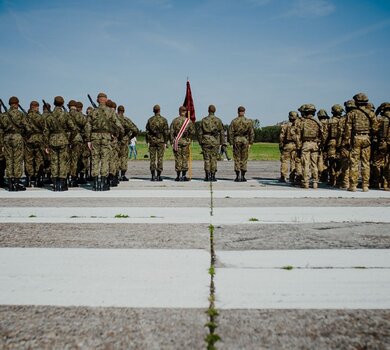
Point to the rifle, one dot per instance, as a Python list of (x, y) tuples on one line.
[(4, 106), (46, 105), (21, 108), (92, 103)]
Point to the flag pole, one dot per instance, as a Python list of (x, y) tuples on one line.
[(190, 153)]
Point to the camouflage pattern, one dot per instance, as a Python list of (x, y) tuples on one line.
[(35, 145), (2, 157), (343, 150), (130, 131), (211, 136), (384, 145), (14, 126), (310, 137), (157, 136), (59, 129), (77, 145), (331, 148), (323, 162), (102, 125), (361, 123), (289, 150), (241, 136), (183, 152)]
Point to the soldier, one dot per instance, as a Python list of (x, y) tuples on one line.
[(360, 125), (241, 137), (288, 148), (102, 124), (2, 158), (14, 126), (84, 156), (384, 141), (211, 136), (113, 169), (377, 154), (87, 153), (130, 131), (77, 145), (310, 137), (46, 111), (181, 141), (332, 132), (323, 166), (58, 134), (157, 136), (35, 147)]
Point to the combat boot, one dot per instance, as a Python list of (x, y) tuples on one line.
[(305, 186), (64, 184), (18, 185), (243, 179), (28, 181), (177, 176), (11, 186), (184, 176), (365, 188), (116, 178), (282, 179), (315, 185), (153, 178), (352, 189), (111, 180), (81, 180), (237, 179), (212, 177), (73, 182), (159, 178), (123, 176), (95, 183), (39, 182), (105, 186), (207, 176)]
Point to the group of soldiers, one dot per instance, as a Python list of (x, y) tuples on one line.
[(335, 150), (66, 147)]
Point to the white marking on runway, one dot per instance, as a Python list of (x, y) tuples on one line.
[(196, 215), (168, 192), (104, 277)]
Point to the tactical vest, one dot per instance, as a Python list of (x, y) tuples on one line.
[(310, 130), (333, 126), (361, 122), (384, 133), (289, 135)]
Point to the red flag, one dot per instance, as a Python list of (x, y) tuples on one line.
[(189, 102)]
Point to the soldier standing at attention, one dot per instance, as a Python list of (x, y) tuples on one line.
[(59, 131), (2, 158), (113, 168), (130, 131), (77, 144), (241, 137), (211, 137), (333, 155), (102, 123), (323, 166), (288, 148), (157, 136), (46, 111), (360, 125), (310, 137), (384, 141), (35, 147), (181, 146), (14, 126)]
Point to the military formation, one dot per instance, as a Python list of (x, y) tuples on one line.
[(67, 148), (353, 143)]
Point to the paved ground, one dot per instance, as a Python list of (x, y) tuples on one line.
[(320, 279)]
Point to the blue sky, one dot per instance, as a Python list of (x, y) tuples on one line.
[(268, 55)]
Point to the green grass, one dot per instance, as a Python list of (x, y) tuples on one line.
[(288, 267), (258, 151), (121, 216)]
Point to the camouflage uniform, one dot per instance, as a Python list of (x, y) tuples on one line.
[(102, 125), (14, 126), (323, 165), (378, 155), (241, 137), (310, 137), (288, 148), (211, 136), (360, 124), (46, 156), (130, 131), (58, 131), (34, 150), (2, 158), (182, 152), (77, 145), (331, 144), (157, 136), (384, 142)]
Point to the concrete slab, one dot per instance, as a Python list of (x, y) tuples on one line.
[(305, 258), (246, 215), (104, 277), (302, 289)]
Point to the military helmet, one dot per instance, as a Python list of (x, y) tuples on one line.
[(292, 115), (322, 114), (361, 98), (307, 108), (79, 104), (13, 100), (182, 109), (350, 104), (101, 94), (72, 103), (34, 104), (121, 108), (58, 101), (337, 109)]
